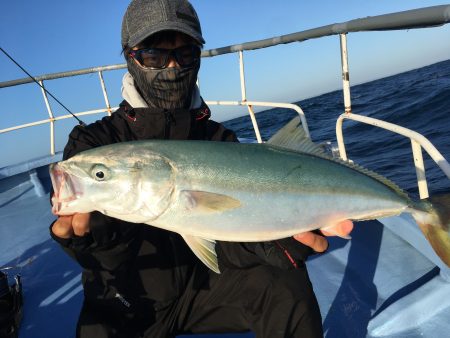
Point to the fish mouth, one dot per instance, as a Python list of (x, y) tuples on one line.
[(65, 188)]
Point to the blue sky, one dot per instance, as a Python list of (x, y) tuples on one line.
[(51, 36)]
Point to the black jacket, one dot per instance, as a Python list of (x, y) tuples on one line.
[(136, 268)]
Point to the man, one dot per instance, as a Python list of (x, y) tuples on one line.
[(141, 281)]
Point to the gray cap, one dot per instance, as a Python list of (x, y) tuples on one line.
[(146, 17)]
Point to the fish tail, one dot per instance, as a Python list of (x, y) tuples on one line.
[(435, 224)]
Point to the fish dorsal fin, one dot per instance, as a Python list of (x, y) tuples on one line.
[(207, 202), (292, 136), (204, 249)]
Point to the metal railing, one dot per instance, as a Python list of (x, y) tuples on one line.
[(418, 142), (52, 118), (418, 18)]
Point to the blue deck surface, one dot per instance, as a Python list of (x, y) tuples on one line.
[(376, 285)]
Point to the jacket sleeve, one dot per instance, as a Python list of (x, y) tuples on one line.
[(107, 246), (110, 129)]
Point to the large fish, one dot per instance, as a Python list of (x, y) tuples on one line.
[(209, 191)]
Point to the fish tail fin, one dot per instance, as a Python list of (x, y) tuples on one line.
[(435, 225)]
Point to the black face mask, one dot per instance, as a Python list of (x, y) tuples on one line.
[(168, 88)]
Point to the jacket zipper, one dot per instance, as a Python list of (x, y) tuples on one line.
[(169, 120), (178, 276)]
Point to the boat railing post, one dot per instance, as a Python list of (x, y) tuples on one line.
[(346, 93), (52, 119), (340, 138), (420, 169), (244, 98), (105, 94), (345, 73)]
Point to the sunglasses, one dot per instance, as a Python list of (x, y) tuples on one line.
[(186, 56)]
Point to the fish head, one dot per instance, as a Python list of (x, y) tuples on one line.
[(115, 181)]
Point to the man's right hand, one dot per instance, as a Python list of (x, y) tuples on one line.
[(67, 226)]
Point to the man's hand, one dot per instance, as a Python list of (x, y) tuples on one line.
[(319, 243), (67, 226)]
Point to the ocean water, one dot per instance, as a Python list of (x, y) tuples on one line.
[(418, 99)]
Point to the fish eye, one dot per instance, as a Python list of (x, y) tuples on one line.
[(99, 172)]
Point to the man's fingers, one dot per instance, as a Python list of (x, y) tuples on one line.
[(63, 227), (67, 226), (342, 229), (319, 243), (316, 242), (80, 224)]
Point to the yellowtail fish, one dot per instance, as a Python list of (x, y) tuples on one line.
[(208, 191)]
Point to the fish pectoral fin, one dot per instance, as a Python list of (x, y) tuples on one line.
[(208, 202), (204, 249)]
